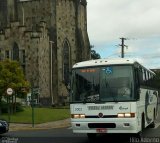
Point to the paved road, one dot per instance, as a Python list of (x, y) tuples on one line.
[(65, 135)]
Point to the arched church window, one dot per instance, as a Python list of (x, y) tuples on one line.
[(15, 52), (66, 63)]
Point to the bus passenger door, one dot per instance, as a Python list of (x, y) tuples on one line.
[(137, 96), (137, 84)]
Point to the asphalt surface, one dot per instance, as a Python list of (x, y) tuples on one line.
[(49, 125)]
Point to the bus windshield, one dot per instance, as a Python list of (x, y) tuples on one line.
[(102, 84)]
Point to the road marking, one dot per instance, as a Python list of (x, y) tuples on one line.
[(157, 125)]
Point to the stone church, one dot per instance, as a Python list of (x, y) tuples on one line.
[(47, 37)]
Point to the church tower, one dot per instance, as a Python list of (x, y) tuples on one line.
[(72, 38)]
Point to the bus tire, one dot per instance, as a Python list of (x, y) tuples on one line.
[(142, 122)]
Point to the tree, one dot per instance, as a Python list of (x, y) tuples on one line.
[(94, 54), (11, 76)]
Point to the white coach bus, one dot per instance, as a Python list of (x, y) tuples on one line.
[(112, 96)]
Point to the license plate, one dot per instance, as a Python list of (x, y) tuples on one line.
[(101, 130)]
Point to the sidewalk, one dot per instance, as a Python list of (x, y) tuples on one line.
[(49, 125)]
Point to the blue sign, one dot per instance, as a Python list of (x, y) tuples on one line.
[(108, 70)]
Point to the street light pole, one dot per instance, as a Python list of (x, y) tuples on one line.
[(51, 72)]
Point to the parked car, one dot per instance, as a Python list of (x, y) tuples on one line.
[(4, 126)]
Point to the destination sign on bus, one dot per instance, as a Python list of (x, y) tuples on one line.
[(88, 70)]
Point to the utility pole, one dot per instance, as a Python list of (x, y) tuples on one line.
[(122, 46)]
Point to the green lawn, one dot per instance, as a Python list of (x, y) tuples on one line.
[(41, 115)]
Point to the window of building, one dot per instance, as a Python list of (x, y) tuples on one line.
[(22, 56), (15, 55), (66, 63), (7, 54)]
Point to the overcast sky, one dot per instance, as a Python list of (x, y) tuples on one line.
[(136, 20)]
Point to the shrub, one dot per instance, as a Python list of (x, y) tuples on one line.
[(4, 107), (19, 107)]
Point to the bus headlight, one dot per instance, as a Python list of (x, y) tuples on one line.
[(120, 115), (126, 115), (77, 115)]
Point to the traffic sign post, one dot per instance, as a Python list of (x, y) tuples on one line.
[(9, 93), (32, 105)]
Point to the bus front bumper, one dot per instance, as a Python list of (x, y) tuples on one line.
[(106, 126)]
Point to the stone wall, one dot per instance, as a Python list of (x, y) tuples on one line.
[(35, 47), (52, 36)]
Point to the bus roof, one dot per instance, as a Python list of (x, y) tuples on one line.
[(98, 62), (108, 61)]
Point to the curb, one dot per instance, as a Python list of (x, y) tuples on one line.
[(44, 126)]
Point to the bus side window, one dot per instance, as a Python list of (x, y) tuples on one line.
[(151, 81), (140, 76)]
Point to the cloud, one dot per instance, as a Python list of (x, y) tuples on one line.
[(111, 19), (137, 20)]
